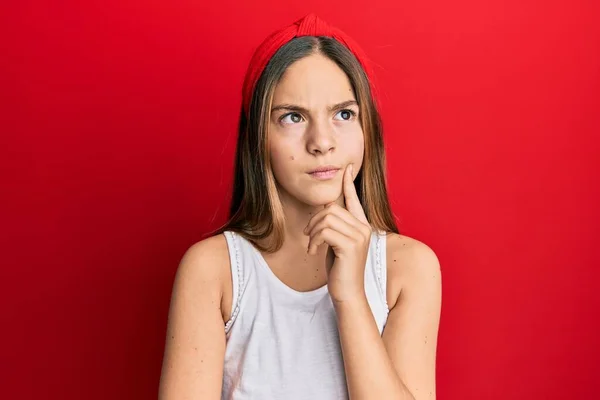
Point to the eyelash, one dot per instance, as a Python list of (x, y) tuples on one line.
[(352, 114)]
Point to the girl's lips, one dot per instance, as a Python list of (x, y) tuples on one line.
[(324, 175)]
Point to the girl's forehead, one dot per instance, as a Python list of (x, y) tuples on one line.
[(313, 79)]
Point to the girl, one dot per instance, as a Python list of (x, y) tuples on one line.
[(308, 291)]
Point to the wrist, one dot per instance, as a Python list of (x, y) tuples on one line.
[(351, 302)]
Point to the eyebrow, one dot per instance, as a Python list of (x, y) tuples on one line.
[(293, 107)]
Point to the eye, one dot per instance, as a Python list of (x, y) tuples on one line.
[(291, 118), (346, 115)]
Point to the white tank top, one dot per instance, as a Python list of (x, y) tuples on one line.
[(284, 344)]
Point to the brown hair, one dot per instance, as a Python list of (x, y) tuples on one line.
[(256, 211)]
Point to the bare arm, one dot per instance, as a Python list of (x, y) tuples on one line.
[(411, 333), (401, 363), (195, 344)]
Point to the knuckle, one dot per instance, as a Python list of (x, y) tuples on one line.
[(363, 237)]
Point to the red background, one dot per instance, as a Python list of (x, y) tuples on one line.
[(118, 129)]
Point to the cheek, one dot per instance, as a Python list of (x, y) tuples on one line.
[(354, 145), (283, 159)]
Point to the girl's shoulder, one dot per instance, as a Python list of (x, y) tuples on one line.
[(409, 262), (206, 264), (209, 256)]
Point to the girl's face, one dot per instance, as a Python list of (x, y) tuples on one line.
[(314, 124)]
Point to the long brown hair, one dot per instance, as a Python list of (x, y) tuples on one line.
[(256, 211)]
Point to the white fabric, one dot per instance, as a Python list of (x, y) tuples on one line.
[(284, 344)]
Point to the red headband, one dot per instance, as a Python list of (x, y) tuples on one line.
[(310, 25)]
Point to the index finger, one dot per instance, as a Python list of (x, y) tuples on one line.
[(351, 197)]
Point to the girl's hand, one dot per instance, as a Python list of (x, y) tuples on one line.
[(347, 233)]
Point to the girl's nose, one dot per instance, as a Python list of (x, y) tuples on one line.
[(320, 138)]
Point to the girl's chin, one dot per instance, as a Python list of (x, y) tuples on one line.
[(314, 198), (320, 200)]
